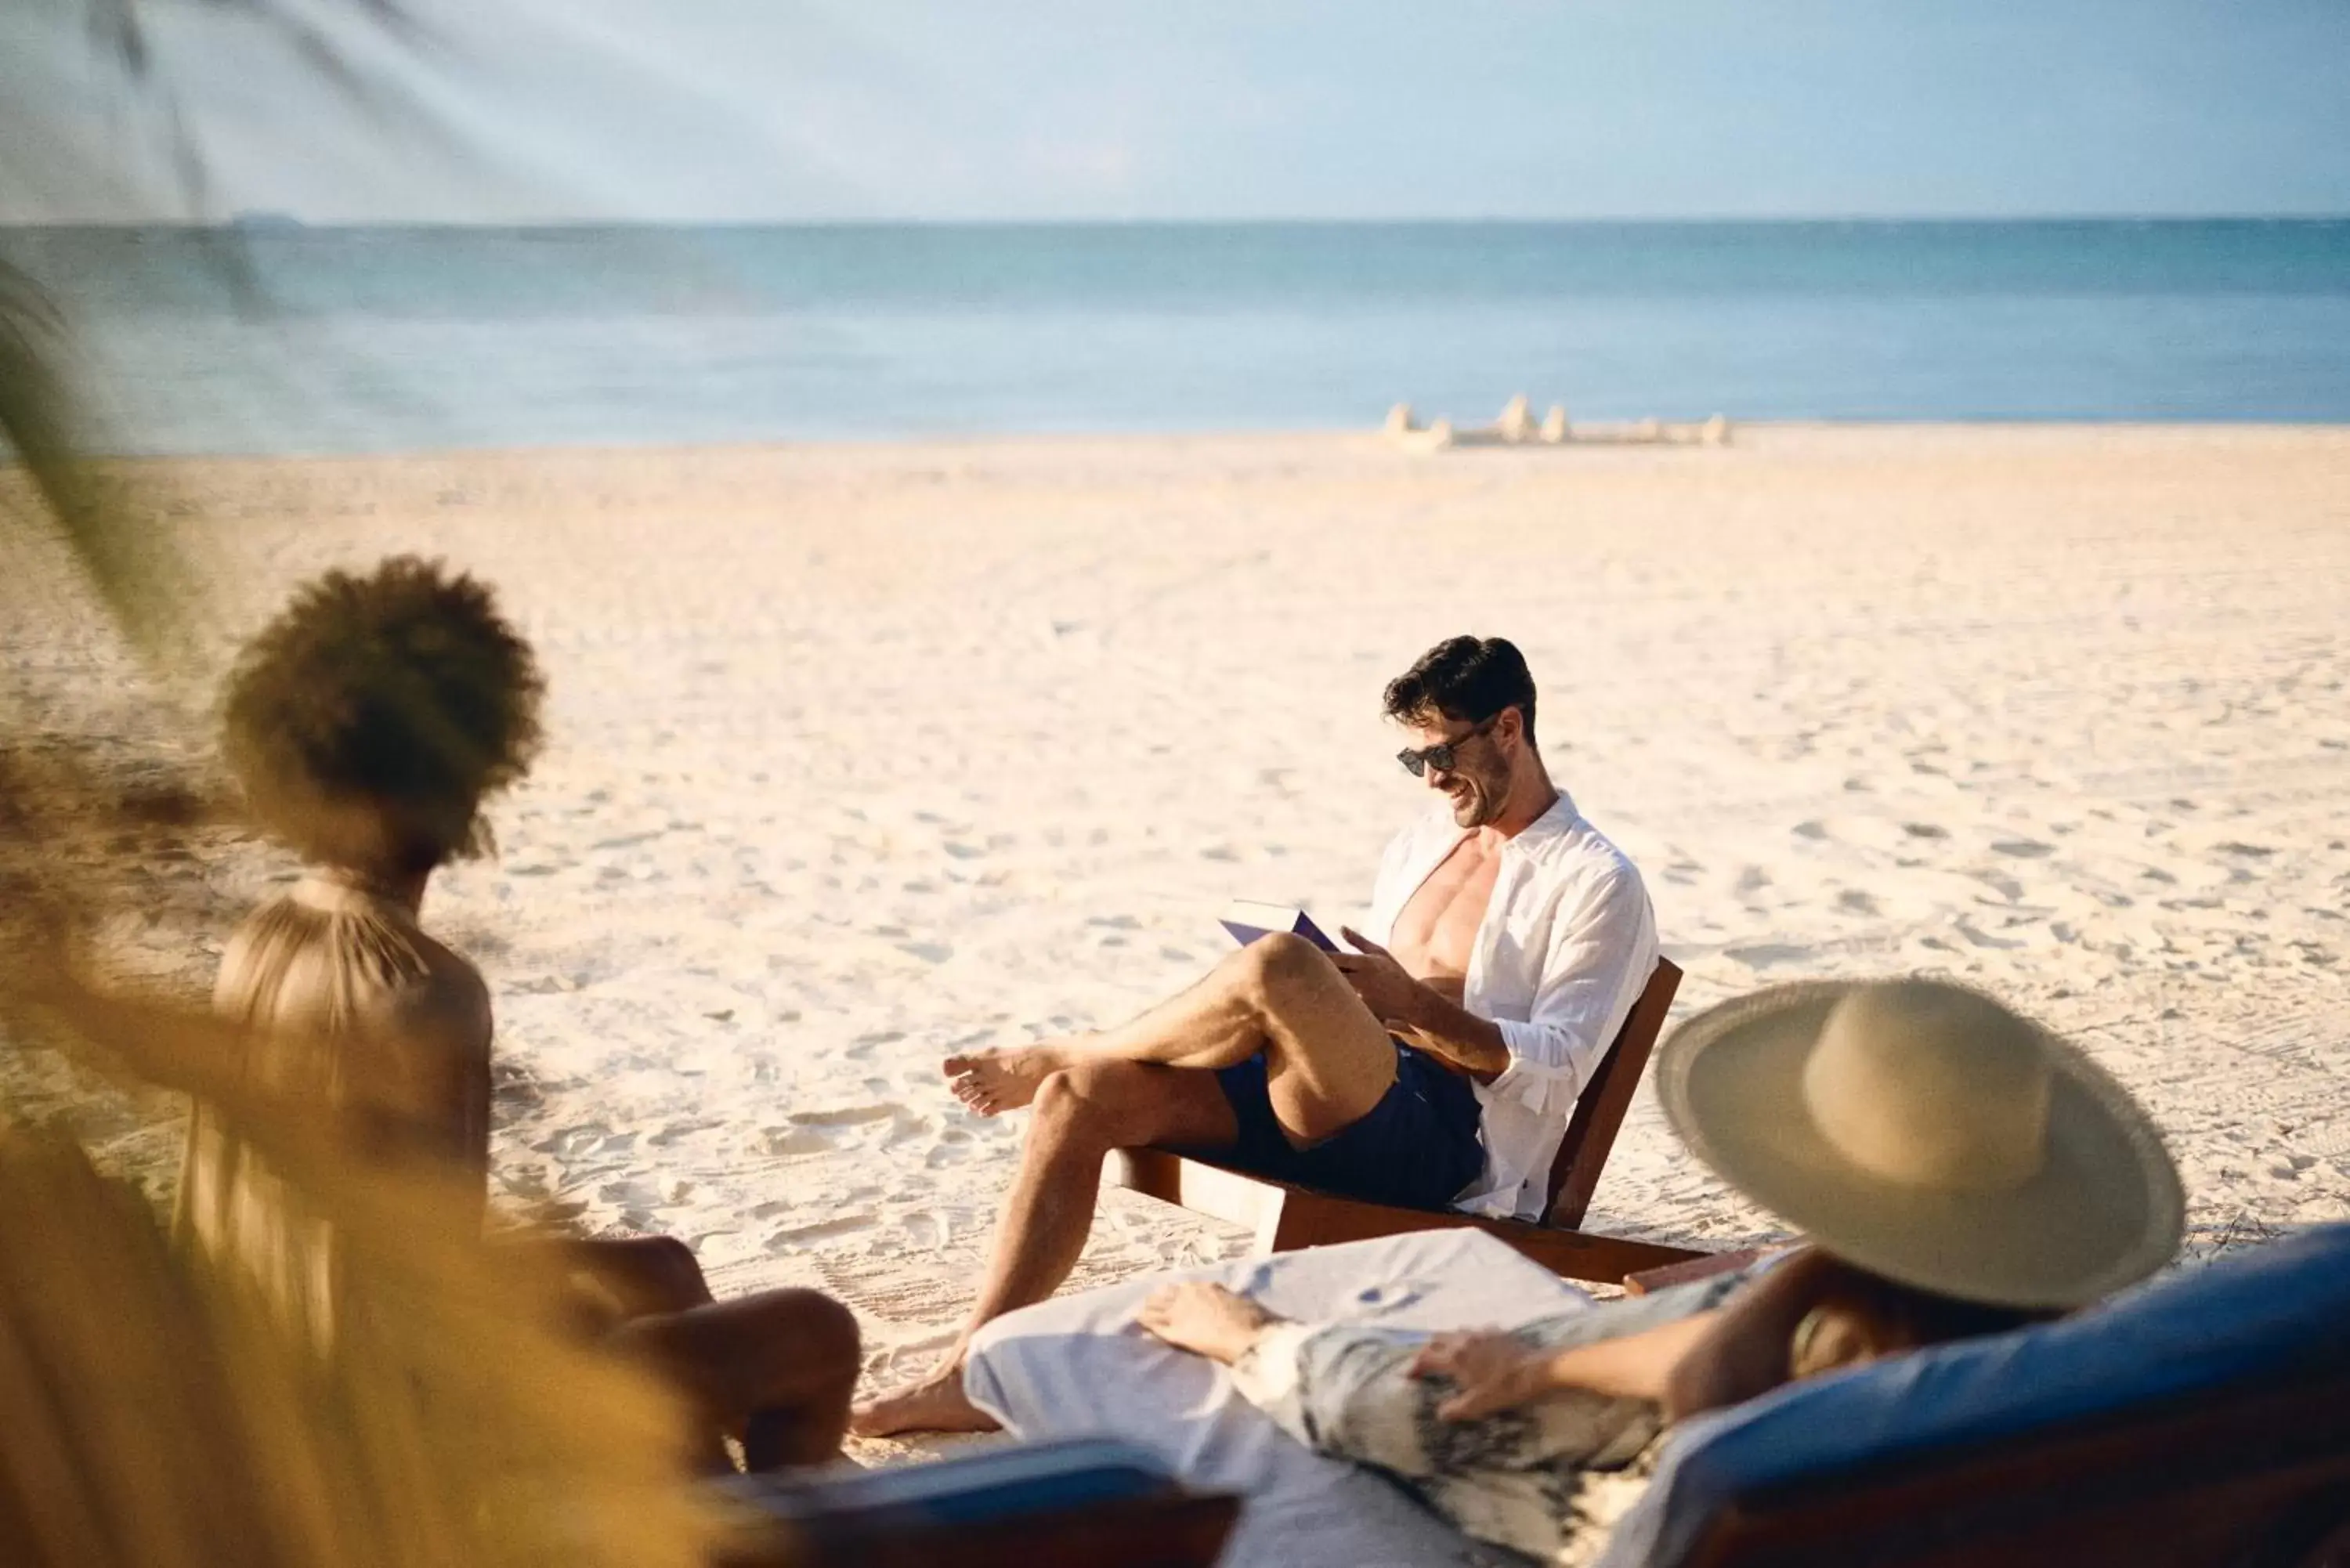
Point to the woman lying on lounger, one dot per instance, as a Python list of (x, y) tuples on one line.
[(1958, 1169)]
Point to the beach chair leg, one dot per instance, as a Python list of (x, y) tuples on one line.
[(1276, 1224)]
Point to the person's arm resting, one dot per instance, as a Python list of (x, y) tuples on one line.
[(1411, 1007), (1492, 1371), (1442, 1027), (1602, 947), (1743, 1354), (1606, 932), (435, 1099)]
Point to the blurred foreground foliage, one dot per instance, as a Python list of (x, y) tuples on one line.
[(156, 1410)]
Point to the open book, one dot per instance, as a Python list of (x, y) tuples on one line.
[(1247, 920)]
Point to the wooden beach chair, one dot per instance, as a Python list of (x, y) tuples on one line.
[(1285, 1216), (1703, 1267)]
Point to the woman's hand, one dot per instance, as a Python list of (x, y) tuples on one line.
[(1491, 1371)]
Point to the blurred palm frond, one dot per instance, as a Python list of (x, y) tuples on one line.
[(155, 1410), (136, 571), (159, 1408), (318, 35)]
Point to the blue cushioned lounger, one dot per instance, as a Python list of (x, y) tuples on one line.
[(2270, 1317)]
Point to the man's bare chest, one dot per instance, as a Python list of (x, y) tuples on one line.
[(1436, 930)]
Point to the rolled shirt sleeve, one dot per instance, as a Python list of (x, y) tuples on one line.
[(1601, 954), (1587, 972)]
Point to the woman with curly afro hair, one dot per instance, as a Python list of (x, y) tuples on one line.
[(367, 725), (370, 722)]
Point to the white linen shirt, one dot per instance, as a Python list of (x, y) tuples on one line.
[(1566, 946)]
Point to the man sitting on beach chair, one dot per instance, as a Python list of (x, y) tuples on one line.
[(1437, 1065)]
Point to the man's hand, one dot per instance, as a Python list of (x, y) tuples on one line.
[(1419, 1013), (1491, 1371), (1385, 986)]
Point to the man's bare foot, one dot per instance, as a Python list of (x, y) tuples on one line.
[(936, 1404), (1004, 1078), (1205, 1319)]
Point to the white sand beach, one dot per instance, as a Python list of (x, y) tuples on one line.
[(861, 753)]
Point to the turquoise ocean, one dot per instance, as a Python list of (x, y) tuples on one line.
[(273, 338)]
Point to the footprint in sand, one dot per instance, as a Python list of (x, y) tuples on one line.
[(572, 1142), (785, 1142), (863, 1045), (907, 1126), (851, 1116), (2007, 887), (2023, 849), (1982, 939), (1764, 955), (794, 1236), (632, 1194)]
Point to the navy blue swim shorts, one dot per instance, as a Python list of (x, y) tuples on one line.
[(1416, 1148)]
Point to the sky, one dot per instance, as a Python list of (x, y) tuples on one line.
[(763, 110)]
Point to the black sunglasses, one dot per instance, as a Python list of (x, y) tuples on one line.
[(1442, 755)]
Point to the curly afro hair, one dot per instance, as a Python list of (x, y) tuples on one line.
[(370, 720)]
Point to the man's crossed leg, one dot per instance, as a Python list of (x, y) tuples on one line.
[(1329, 1065)]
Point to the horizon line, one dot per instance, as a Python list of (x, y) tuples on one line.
[(263, 221)]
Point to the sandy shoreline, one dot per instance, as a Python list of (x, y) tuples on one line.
[(861, 753)]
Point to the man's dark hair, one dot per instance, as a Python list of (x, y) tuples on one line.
[(404, 690), (1468, 677)]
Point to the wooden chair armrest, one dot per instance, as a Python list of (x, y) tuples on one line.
[(1703, 1267), (1283, 1216)]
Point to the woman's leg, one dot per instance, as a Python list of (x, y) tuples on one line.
[(1347, 1390), (774, 1370), (638, 1276)]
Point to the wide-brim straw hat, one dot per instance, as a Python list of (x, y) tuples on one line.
[(1925, 1133)]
